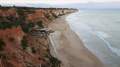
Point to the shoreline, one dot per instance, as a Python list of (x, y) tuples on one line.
[(70, 49)]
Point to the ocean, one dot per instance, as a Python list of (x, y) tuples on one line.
[(100, 32)]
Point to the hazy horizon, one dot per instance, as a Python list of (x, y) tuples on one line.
[(88, 4), (59, 2)]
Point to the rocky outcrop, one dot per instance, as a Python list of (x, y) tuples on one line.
[(18, 47)]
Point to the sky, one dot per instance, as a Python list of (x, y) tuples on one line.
[(52, 1)]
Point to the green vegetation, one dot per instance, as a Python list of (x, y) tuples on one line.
[(27, 27), (24, 43), (54, 62), (20, 11), (2, 45), (21, 14), (17, 23), (54, 15), (40, 24), (4, 25), (49, 17), (33, 50)]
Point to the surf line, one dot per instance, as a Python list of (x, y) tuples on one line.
[(114, 50)]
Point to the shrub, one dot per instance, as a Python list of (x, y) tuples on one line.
[(40, 24), (54, 15), (17, 23), (33, 50), (27, 27), (4, 25), (2, 45), (24, 43), (54, 62), (48, 16), (20, 11)]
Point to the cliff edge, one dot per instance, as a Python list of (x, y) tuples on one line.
[(24, 36)]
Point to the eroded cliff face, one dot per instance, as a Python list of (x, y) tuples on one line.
[(18, 46)]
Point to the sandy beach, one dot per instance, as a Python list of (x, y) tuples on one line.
[(69, 48)]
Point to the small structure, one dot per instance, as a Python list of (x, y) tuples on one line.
[(42, 32)]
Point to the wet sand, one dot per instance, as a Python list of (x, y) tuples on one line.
[(69, 48)]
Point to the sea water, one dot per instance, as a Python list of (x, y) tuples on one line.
[(100, 32)]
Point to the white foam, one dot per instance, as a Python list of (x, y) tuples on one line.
[(101, 35)]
